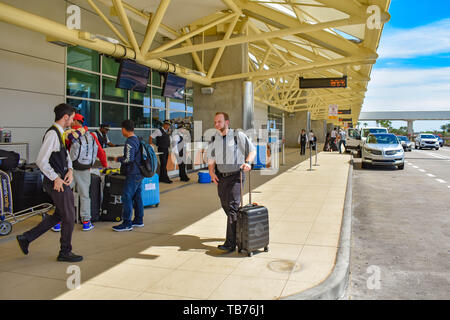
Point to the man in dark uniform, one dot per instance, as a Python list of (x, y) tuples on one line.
[(302, 141), (102, 136), (54, 162), (162, 141), (228, 152)]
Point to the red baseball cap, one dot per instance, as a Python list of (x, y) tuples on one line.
[(78, 117)]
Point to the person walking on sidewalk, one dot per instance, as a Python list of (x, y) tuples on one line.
[(131, 194), (54, 161), (228, 152), (162, 141), (302, 141)]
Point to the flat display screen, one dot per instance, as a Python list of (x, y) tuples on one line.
[(311, 83), (174, 86), (132, 76)]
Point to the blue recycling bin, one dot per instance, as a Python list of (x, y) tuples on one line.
[(204, 176)]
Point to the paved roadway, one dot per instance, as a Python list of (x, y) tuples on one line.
[(401, 229)]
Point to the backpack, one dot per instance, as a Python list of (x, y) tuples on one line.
[(149, 162), (11, 160), (83, 152)]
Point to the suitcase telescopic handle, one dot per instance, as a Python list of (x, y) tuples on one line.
[(249, 188)]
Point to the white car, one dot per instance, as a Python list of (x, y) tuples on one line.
[(426, 140), (383, 149)]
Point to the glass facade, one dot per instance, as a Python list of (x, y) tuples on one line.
[(91, 89)]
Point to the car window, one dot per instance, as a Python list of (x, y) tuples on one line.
[(353, 133), (382, 139), (427, 136), (366, 132)]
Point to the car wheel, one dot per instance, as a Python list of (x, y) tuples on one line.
[(401, 167), (416, 147), (437, 148), (363, 165)]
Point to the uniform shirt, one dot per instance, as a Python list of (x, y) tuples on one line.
[(132, 155), (51, 144), (179, 140), (157, 133), (97, 135), (300, 138), (228, 156)]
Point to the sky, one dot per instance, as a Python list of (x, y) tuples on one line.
[(412, 72)]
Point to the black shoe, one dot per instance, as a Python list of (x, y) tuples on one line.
[(226, 248), (69, 257), (23, 243), (185, 179)]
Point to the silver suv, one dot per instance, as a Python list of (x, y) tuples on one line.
[(426, 140)]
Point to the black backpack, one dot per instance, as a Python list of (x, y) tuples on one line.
[(11, 160)]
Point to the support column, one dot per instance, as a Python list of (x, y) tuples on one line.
[(410, 128)]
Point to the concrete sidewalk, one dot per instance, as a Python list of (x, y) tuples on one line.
[(175, 255)]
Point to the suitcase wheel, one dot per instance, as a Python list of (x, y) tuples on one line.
[(250, 254), (239, 250), (157, 205), (266, 249)]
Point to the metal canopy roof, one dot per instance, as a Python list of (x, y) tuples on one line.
[(287, 39)]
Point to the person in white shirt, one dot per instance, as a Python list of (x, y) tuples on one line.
[(333, 136), (54, 162)]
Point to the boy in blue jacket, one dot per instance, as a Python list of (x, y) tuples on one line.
[(131, 195)]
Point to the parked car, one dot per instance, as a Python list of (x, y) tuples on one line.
[(356, 137), (441, 142), (383, 149), (426, 140), (406, 144)]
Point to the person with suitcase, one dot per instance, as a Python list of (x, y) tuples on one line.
[(84, 148), (132, 189), (54, 161), (228, 152)]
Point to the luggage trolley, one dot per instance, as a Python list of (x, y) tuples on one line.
[(7, 215)]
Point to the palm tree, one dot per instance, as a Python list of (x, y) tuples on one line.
[(365, 124)]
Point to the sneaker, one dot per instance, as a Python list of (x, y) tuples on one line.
[(87, 225), (69, 257), (138, 224), (122, 227), (23, 243), (57, 227)]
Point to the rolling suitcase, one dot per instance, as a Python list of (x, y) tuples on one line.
[(112, 198), (252, 228), (27, 188), (150, 191), (95, 194)]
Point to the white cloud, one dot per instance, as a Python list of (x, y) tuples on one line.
[(408, 90), (425, 40)]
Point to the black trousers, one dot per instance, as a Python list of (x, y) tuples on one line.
[(303, 148), (163, 158), (182, 166), (229, 190), (64, 213)]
